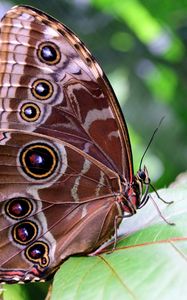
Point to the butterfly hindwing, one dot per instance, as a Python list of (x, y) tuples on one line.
[(52, 196)]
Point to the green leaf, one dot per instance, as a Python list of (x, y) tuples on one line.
[(150, 262), (14, 292), (29, 291)]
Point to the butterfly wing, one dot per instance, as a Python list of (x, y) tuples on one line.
[(39, 227), (79, 105), (64, 147)]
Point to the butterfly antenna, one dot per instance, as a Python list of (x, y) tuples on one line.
[(151, 139)]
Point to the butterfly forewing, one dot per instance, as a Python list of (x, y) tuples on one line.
[(81, 100)]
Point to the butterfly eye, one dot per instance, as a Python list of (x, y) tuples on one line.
[(49, 53), (142, 175), (38, 252), (42, 89), (38, 160), (24, 232), (17, 208), (30, 112)]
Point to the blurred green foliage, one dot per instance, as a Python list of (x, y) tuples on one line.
[(141, 45)]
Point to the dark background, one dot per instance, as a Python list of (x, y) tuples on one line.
[(141, 45)]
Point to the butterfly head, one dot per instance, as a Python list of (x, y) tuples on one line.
[(143, 182), (143, 176)]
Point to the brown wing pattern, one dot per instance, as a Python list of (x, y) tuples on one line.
[(81, 108), (70, 211), (64, 148)]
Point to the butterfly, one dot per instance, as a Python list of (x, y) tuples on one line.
[(66, 175)]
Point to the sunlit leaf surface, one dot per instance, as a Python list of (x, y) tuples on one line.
[(150, 263)]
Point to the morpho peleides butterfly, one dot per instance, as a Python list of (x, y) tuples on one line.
[(66, 175)]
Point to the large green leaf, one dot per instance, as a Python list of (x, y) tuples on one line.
[(150, 262)]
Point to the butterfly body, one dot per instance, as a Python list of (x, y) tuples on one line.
[(66, 175)]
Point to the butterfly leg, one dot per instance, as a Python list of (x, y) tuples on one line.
[(166, 202), (160, 213), (145, 196), (117, 218)]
